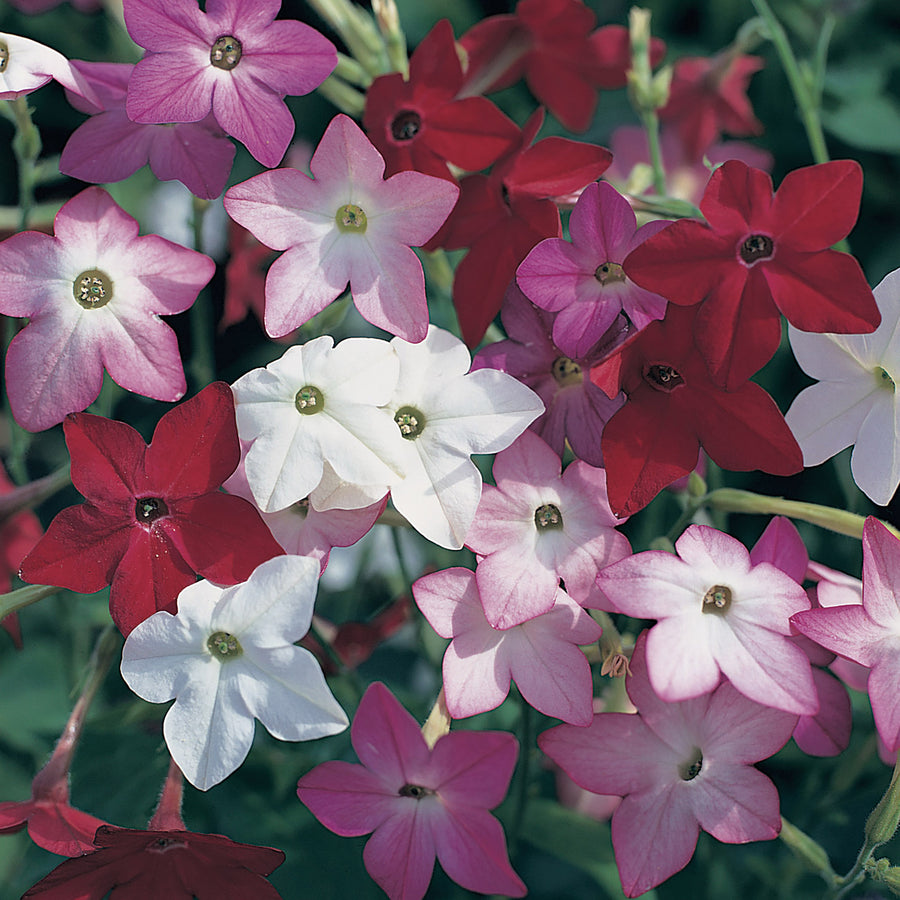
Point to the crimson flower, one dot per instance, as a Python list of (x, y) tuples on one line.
[(553, 45), (171, 864), (759, 254), (154, 516), (418, 123), (673, 408), (501, 216)]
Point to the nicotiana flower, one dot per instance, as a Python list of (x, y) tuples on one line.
[(109, 146), (234, 59), (319, 404), (855, 400), (227, 657), (26, 65), (540, 655), (154, 517), (868, 633), (421, 802), (444, 414), (583, 281), (537, 526), (680, 767), (344, 224), (718, 614), (93, 294)]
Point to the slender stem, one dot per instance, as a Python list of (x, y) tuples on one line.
[(343, 95), (25, 596), (203, 360), (19, 438), (26, 146)]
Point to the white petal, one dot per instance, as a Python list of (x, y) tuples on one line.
[(875, 463), (831, 357)]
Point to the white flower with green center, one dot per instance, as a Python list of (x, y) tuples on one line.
[(444, 414), (227, 658), (319, 404), (856, 400)]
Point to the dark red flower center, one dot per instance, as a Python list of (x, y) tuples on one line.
[(225, 52), (691, 767), (566, 371), (717, 599), (756, 247), (4, 56), (162, 844), (663, 378), (609, 273), (148, 509), (93, 288), (416, 791), (406, 125)]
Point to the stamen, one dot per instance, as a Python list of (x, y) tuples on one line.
[(717, 599), (609, 273), (883, 378), (415, 791), (566, 372), (351, 218), (225, 53), (756, 247), (224, 645), (92, 289), (4, 56), (406, 125), (692, 766), (309, 400), (663, 378), (148, 509), (548, 516), (410, 421)]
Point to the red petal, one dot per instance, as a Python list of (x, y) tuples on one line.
[(564, 87), (471, 133), (556, 166), (435, 61), (738, 199), (495, 49), (479, 209)]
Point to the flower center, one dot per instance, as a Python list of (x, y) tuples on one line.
[(4, 56), (548, 516), (351, 218), (663, 378), (410, 421), (415, 791), (609, 273), (162, 844), (224, 645), (717, 599), (149, 509), (755, 248), (301, 507), (225, 53), (691, 767), (92, 288), (883, 379), (406, 125), (309, 400), (566, 372)]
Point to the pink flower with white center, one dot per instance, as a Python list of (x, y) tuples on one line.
[(680, 767), (345, 224), (583, 280), (26, 65), (536, 527), (869, 634), (421, 802), (540, 655), (93, 293), (718, 615), (234, 59)]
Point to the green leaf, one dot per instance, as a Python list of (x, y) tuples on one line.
[(868, 122)]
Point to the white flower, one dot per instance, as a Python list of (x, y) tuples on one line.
[(855, 401), (445, 415), (26, 65), (319, 403), (228, 657)]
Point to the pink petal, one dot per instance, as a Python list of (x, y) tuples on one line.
[(106, 148), (159, 24), (400, 855), (886, 699), (827, 733), (289, 57), (473, 768), (679, 667), (411, 207), (881, 573), (781, 545), (170, 87), (847, 630), (739, 805), (194, 156)]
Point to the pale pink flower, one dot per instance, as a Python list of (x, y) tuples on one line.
[(26, 65)]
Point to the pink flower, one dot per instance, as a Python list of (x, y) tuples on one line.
[(540, 655), (537, 526), (421, 802), (583, 281), (680, 767), (93, 294), (109, 147), (234, 60), (345, 224), (26, 65), (718, 615)]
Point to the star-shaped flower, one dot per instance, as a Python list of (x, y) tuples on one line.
[(234, 59), (93, 294), (421, 802), (228, 657), (345, 224), (855, 401)]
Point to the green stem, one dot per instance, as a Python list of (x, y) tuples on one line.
[(24, 596), (19, 438), (203, 360), (26, 146), (343, 95)]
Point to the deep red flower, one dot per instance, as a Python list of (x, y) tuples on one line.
[(420, 124), (554, 46), (708, 96), (154, 517), (673, 408), (163, 864), (245, 276), (501, 216), (760, 253)]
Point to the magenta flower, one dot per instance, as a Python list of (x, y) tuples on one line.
[(421, 802), (869, 634), (680, 767), (537, 526), (718, 615), (234, 60), (345, 224), (93, 294), (109, 146), (583, 280), (576, 409), (540, 655)]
